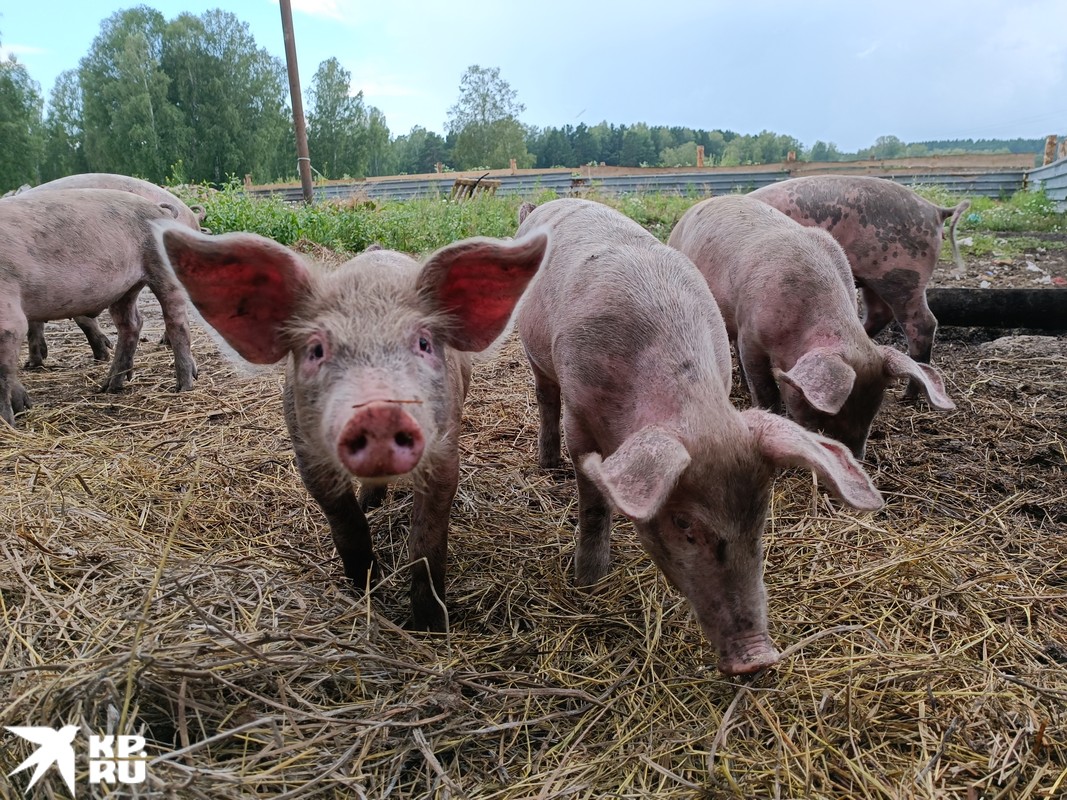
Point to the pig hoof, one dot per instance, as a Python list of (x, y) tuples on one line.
[(33, 364), (428, 623)]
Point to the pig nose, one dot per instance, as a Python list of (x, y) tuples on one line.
[(745, 654), (380, 440)]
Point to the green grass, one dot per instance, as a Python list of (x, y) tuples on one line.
[(420, 226)]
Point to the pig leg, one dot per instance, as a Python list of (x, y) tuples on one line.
[(37, 345), (876, 312), (428, 542), (592, 555), (13, 325), (919, 326), (176, 326), (756, 367), (128, 322), (99, 343), (370, 497), (331, 488), (549, 409)]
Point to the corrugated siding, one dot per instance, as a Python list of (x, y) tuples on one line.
[(1053, 179)]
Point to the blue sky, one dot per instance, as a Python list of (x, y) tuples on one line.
[(842, 72)]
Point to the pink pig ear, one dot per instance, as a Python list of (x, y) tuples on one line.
[(786, 444), (639, 476), (899, 365), (477, 282), (823, 377), (245, 286)]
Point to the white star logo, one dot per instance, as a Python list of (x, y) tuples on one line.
[(55, 748)]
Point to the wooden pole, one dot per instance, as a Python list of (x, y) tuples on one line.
[(1050, 149), (303, 160)]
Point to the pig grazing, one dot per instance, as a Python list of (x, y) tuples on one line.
[(892, 238), (378, 368), (787, 298), (77, 251), (190, 216), (624, 333)]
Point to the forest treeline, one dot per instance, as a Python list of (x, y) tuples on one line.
[(194, 99)]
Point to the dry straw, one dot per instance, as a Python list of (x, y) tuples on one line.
[(163, 572)]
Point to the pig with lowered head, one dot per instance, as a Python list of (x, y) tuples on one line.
[(190, 216), (378, 368), (622, 332), (75, 251), (892, 238), (787, 298)]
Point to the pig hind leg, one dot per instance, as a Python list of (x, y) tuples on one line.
[(756, 368), (370, 497), (128, 322), (13, 325)]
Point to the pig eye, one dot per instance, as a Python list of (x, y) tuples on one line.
[(316, 351), (682, 522), (424, 345)]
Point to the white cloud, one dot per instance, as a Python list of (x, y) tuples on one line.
[(869, 51), (8, 50)]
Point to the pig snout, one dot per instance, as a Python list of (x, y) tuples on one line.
[(746, 654), (380, 440)]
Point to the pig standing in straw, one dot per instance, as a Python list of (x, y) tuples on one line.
[(892, 238), (190, 216), (377, 372), (623, 331), (76, 251), (788, 300)]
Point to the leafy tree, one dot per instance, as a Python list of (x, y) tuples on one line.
[(379, 154), (684, 155), (64, 151), (20, 126), (337, 123), (128, 122), (638, 148), (419, 151), (485, 122), (234, 117), (823, 151)]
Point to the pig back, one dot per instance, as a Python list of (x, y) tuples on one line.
[(75, 251), (122, 183), (615, 307)]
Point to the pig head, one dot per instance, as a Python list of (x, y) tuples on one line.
[(378, 367)]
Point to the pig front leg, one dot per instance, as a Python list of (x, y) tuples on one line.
[(428, 544), (549, 409), (331, 488), (128, 322), (592, 555), (756, 369), (919, 326), (98, 341), (37, 345), (176, 330), (876, 312)]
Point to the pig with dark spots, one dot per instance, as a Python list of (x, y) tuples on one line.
[(378, 367), (892, 238), (625, 340), (787, 298), (77, 251), (191, 216)]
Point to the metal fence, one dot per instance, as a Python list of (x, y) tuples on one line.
[(697, 184), (1053, 179)]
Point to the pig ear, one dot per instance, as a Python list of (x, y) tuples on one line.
[(823, 377), (477, 283), (899, 365), (245, 286), (639, 476), (785, 444)]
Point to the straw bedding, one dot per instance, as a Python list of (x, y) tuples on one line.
[(164, 572)]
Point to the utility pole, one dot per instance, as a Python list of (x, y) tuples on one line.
[(303, 160)]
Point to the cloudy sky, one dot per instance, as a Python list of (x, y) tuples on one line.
[(842, 72)]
